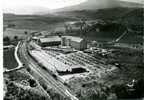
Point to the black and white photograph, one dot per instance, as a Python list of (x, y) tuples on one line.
[(73, 50)]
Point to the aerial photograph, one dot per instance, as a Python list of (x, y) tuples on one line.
[(73, 49)]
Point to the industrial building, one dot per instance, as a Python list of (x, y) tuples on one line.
[(49, 41), (74, 42), (60, 64), (71, 41)]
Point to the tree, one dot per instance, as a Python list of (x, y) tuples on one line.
[(32, 83), (25, 32), (11, 25), (66, 28), (6, 40), (16, 38), (28, 69)]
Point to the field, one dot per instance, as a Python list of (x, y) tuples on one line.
[(11, 33), (51, 23), (34, 22), (17, 25), (9, 59)]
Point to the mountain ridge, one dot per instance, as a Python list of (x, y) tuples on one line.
[(93, 5)]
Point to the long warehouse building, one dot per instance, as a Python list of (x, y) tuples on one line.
[(49, 41)]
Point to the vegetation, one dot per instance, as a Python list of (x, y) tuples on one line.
[(16, 93), (94, 91), (121, 16), (114, 84), (124, 91), (35, 22), (32, 82), (116, 21), (6, 40), (15, 38), (106, 14), (18, 76), (15, 35), (9, 59)]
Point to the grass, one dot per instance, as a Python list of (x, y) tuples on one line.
[(11, 33), (33, 22), (9, 59), (18, 76)]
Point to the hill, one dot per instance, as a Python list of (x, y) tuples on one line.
[(122, 16), (100, 4), (131, 17), (108, 13)]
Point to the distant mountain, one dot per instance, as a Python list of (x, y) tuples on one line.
[(100, 4), (106, 13), (131, 4)]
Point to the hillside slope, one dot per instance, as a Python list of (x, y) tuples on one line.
[(34, 22), (132, 17), (125, 17), (109, 13), (100, 4)]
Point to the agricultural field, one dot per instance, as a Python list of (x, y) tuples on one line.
[(34, 22), (9, 59), (20, 33)]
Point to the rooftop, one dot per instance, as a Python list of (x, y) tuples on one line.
[(74, 38), (50, 39)]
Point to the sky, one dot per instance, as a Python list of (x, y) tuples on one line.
[(29, 6), (51, 4), (137, 1)]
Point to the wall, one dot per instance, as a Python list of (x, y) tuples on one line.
[(83, 45), (75, 45)]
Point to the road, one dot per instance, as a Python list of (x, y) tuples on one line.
[(48, 78)]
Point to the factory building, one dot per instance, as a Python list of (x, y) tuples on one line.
[(63, 41), (71, 41), (49, 41), (74, 42)]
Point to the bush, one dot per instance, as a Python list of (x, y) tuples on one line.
[(16, 93), (32, 83), (123, 91)]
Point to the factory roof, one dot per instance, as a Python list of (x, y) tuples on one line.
[(50, 39), (74, 38), (71, 22), (45, 33)]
